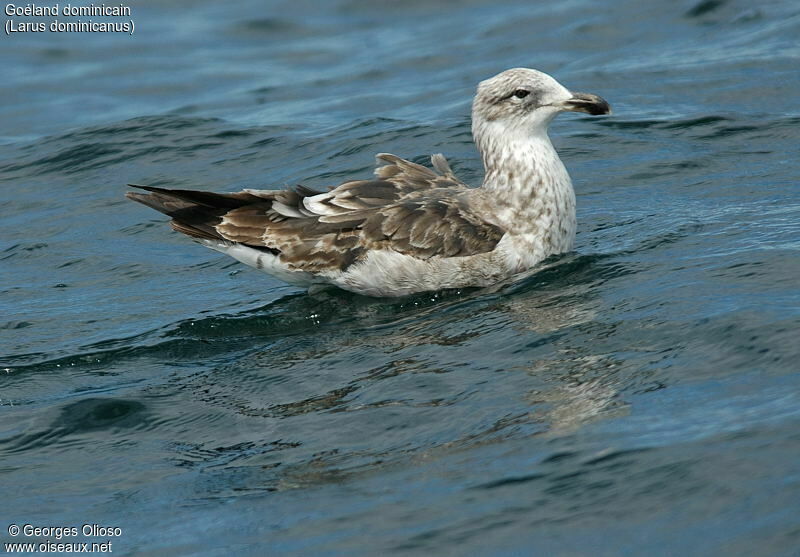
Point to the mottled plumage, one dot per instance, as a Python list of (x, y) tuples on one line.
[(410, 229)]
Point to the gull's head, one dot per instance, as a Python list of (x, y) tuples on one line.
[(525, 100)]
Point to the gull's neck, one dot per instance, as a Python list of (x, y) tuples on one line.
[(528, 183)]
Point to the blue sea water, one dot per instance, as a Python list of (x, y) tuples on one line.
[(640, 396)]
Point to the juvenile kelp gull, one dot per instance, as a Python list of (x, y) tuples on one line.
[(410, 229)]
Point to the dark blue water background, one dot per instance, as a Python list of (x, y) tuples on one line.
[(640, 396)]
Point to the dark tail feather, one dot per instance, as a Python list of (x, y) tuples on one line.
[(165, 200), (194, 213)]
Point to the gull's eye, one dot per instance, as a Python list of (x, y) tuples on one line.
[(521, 93)]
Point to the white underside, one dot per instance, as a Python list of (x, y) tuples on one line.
[(264, 261), (387, 273)]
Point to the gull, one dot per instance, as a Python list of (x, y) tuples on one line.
[(410, 229)]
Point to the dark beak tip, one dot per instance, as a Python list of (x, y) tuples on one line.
[(588, 103), (600, 108)]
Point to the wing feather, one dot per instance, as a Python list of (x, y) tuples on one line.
[(407, 208)]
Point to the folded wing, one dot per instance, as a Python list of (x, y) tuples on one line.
[(406, 208)]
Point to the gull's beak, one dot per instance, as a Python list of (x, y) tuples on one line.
[(588, 103)]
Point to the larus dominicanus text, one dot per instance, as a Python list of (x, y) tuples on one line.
[(410, 229)]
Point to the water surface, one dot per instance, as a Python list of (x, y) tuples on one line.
[(639, 396)]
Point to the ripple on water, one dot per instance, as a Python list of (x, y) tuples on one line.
[(637, 394), (81, 418)]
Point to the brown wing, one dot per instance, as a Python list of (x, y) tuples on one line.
[(407, 207), (438, 224)]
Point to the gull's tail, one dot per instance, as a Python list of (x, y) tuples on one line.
[(194, 213)]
